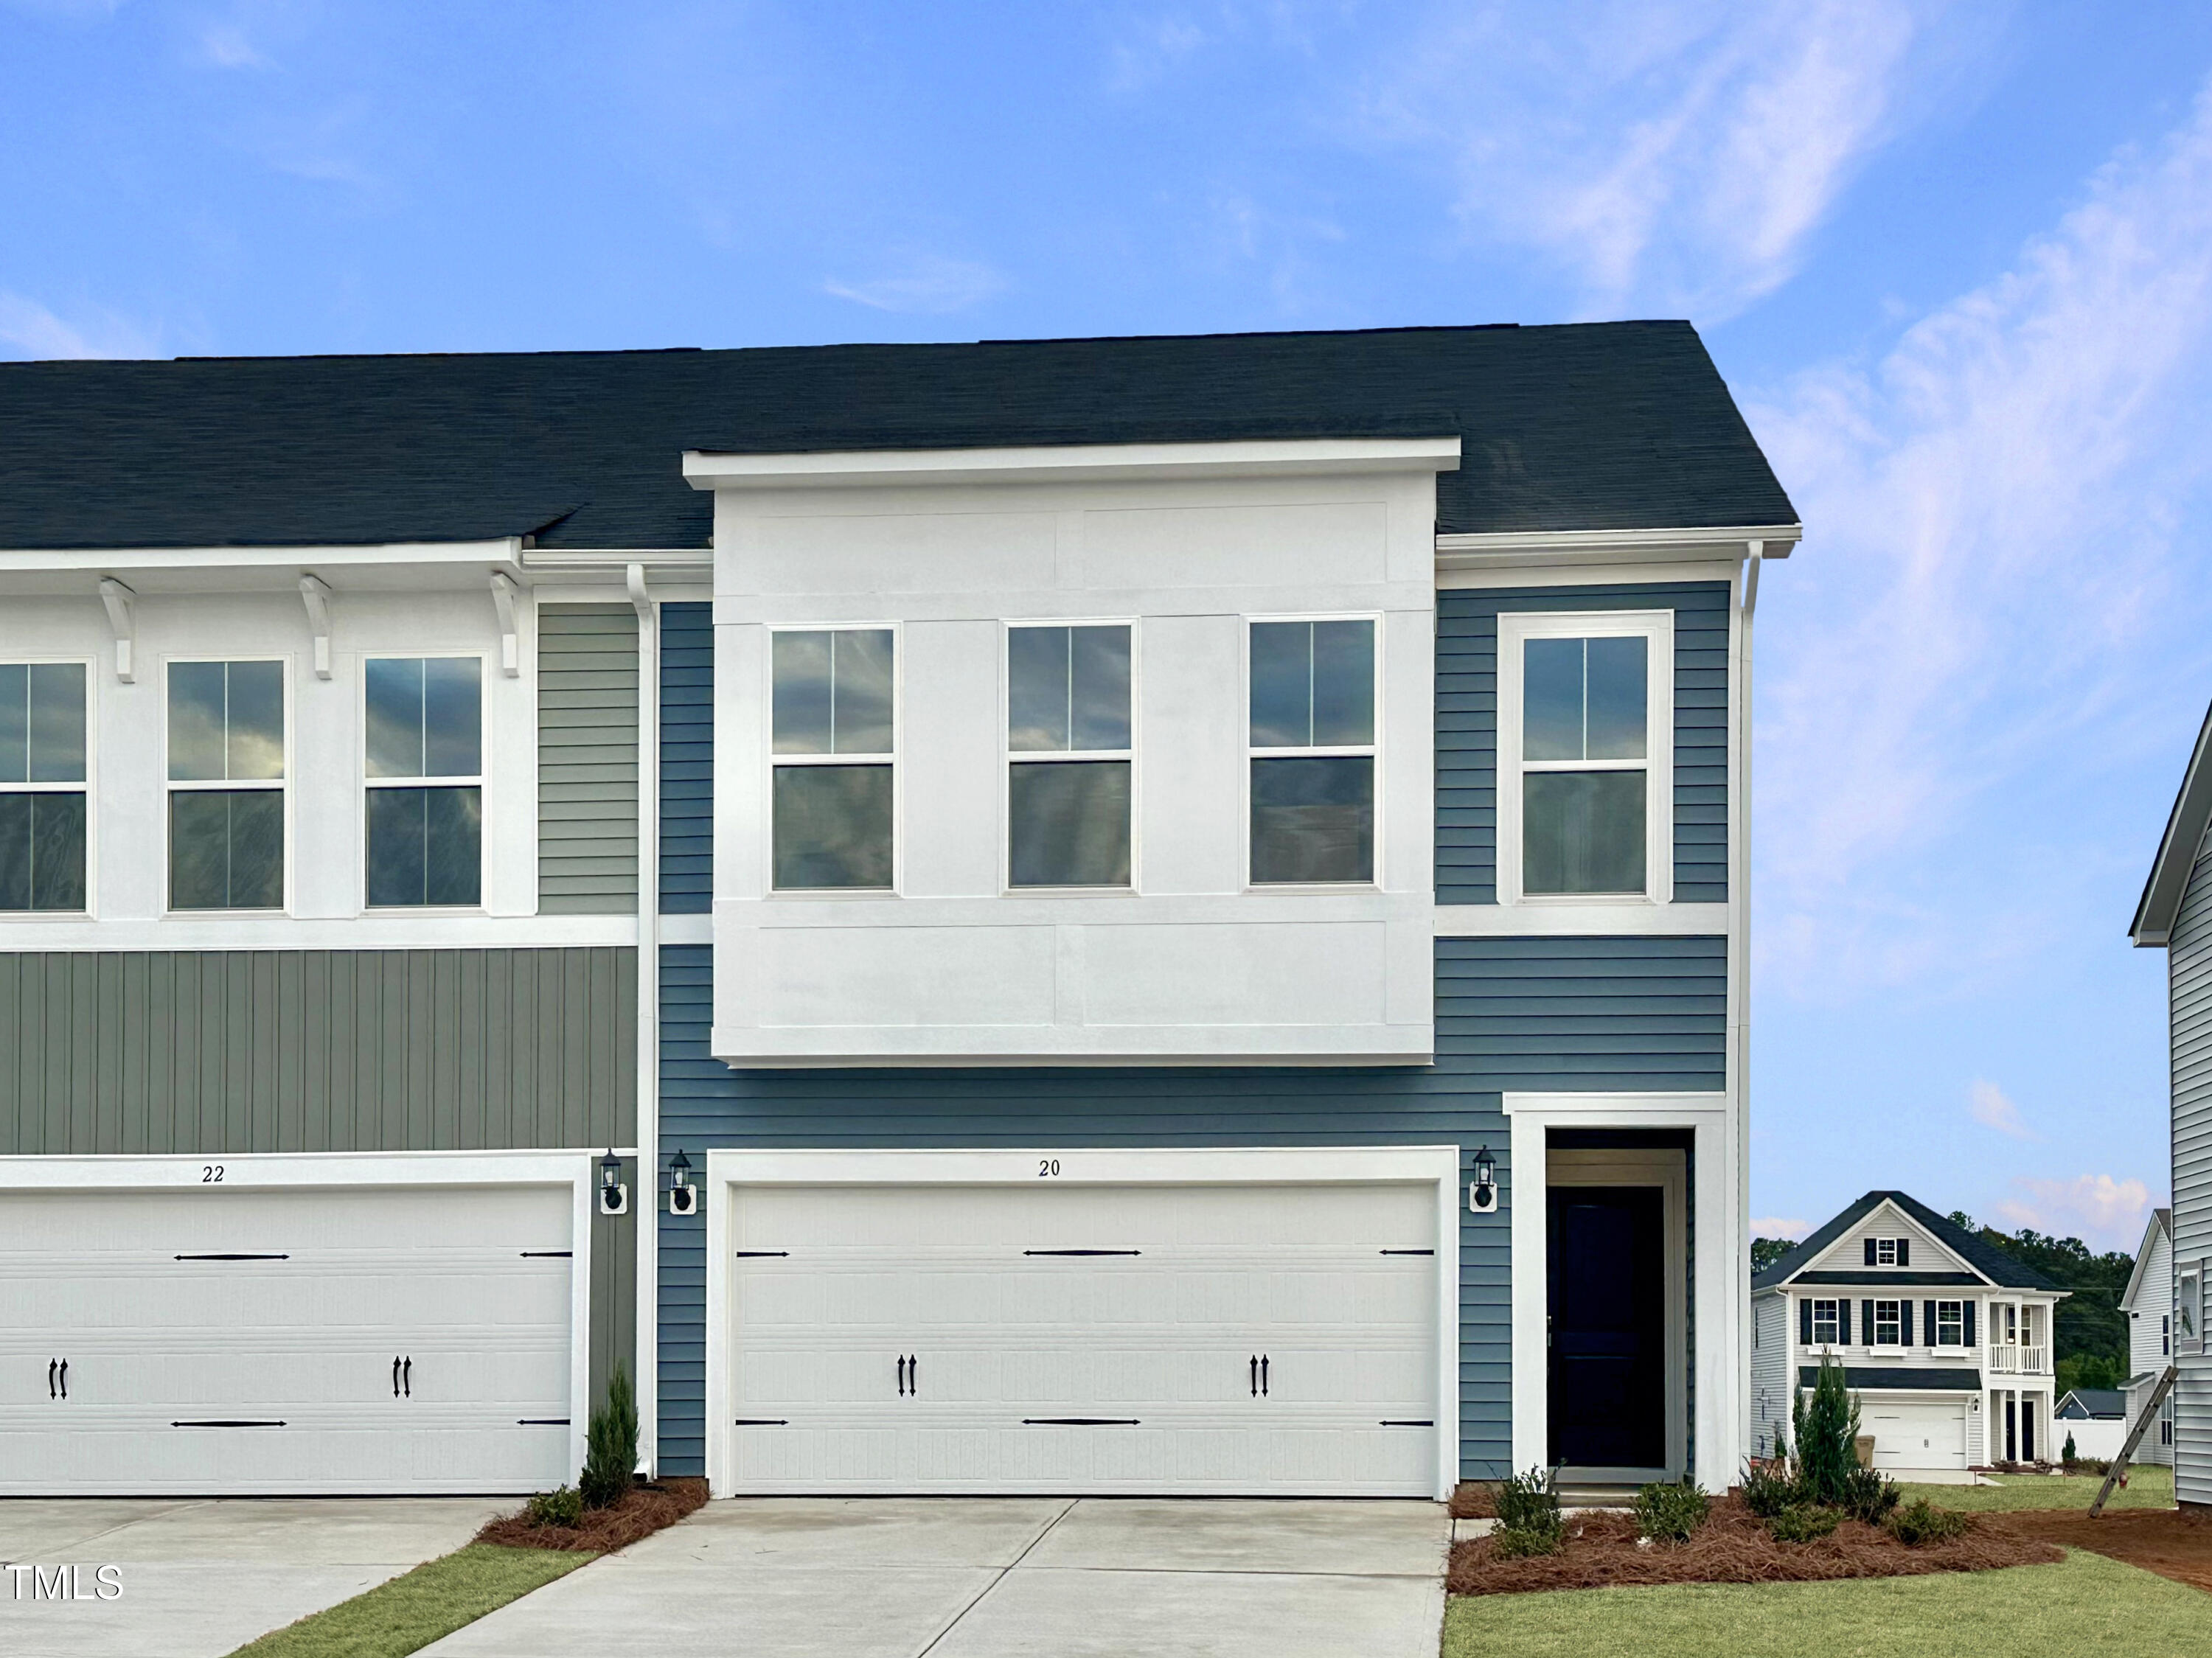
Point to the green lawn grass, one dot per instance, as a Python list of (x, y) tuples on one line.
[(2086, 1604), (2149, 1486), (420, 1606)]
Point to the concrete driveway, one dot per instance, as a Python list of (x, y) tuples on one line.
[(991, 1577), (199, 1578)]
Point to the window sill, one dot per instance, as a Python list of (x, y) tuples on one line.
[(834, 894)]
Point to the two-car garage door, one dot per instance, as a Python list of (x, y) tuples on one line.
[(1256, 1339), (309, 1339)]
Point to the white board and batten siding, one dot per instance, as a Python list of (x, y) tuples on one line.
[(1176, 1339), (2189, 967), (304, 1338)]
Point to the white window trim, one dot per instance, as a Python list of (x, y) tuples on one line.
[(1009, 757), (1436, 1165), (89, 788), (2193, 1274), (282, 785), (1514, 630), (1896, 1321), (895, 759), (481, 782), (1885, 1246), (1834, 1339), (1934, 1336), (1373, 750), (578, 1170)]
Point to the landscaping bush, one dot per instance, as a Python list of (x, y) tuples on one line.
[(610, 1445), (1804, 1523), (1771, 1486), (1529, 1519), (1826, 1424), (1866, 1495), (1669, 1514), (2067, 1455), (1921, 1521), (561, 1507)]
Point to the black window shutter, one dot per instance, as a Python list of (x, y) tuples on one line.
[(1905, 1324), (1843, 1322), (1905, 1252), (1928, 1317), (1970, 1324), (1866, 1315), (1804, 1320), (1869, 1251)]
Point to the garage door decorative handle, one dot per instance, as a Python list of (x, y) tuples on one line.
[(402, 1378), (1259, 1375), (909, 1369), (58, 1379), (1079, 1422)]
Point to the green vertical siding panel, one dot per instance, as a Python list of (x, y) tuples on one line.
[(614, 1291), (588, 759), (201, 1053)]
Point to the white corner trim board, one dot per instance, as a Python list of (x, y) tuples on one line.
[(1717, 1309), (352, 1173), (1066, 1200), (1072, 463)]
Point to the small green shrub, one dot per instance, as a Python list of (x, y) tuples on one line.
[(563, 1506), (610, 1445), (1803, 1524), (1669, 1514), (2067, 1455), (1866, 1495), (1770, 1487), (1921, 1521), (1529, 1519), (1826, 1424)]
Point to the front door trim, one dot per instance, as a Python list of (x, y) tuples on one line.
[(1719, 1292), (1434, 1165)]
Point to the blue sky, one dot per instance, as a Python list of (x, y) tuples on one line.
[(1956, 260)]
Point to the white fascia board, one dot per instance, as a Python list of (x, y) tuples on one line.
[(1070, 463), (1536, 549), (289, 562), (2157, 1224), (277, 1170), (662, 566), (1641, 919)]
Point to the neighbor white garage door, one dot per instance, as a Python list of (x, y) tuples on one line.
[(1246, 1338), (308, 1341), (1917, 1434)]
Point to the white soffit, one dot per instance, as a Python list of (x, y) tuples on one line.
[(1524, 547), (1069, 464)]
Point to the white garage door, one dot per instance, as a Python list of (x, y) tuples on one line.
[(1927, 1434), (1261, 1339), (258, 1340)]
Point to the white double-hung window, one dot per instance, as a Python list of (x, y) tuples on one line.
[(423, 771), (1313, 751), (1585, 756), (42, 786), (227, 754), (1068, 776), (832, 699)]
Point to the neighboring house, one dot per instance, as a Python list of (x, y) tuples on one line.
[(2095, 1420), (2147, 1303), (2175, 915), (1200, 925), (1944, 1339)]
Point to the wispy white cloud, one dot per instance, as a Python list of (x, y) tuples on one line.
[(1667, 153), (926, 282), (226, 44), (32, 330), (1990, 587), (1148, 49), (1772, 1226), (1989, 1106), (2096, 1208)]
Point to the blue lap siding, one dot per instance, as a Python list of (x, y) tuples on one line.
[(1536, 1014), (687, 759), (1466, 729)]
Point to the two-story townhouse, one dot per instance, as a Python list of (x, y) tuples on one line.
[(2148, 1306), (2175, 915), (1946, 1340), (1201, 923)]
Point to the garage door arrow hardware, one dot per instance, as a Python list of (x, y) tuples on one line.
[(1409, 1252), (1259, 1375), (1408, 1424), (1083, 1251), (541, 1422), (762, 1422), (231, 1257), (226, 1424), (1079, 1422), (762, 1255), (548, 1254)]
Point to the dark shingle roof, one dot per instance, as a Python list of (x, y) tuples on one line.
[(2104, 1402), (1992, 1263), (1584, 427)]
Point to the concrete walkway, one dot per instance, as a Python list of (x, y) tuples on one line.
[(990, 1577), (200, 1578)]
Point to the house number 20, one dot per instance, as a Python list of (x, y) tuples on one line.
[(1047, 1167)]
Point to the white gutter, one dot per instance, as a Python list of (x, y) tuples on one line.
[(1739, 988), (1544, 547), (648, 1206)]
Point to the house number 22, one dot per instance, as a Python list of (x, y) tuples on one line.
[(210, 1173), (1047, 1167)]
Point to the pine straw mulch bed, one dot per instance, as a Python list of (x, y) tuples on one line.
[(647, 1507), (1732, 1547), (2175, 1543)]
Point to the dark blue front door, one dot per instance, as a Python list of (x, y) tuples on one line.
[(1608, 1319)]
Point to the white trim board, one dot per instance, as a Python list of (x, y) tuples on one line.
[(1636, 917), (1720, 1313), (1070, 463), (1081, 1166), (282, 1170)]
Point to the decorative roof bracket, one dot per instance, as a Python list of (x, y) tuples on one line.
[(316, 594), (503, 593), (124, 622)]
